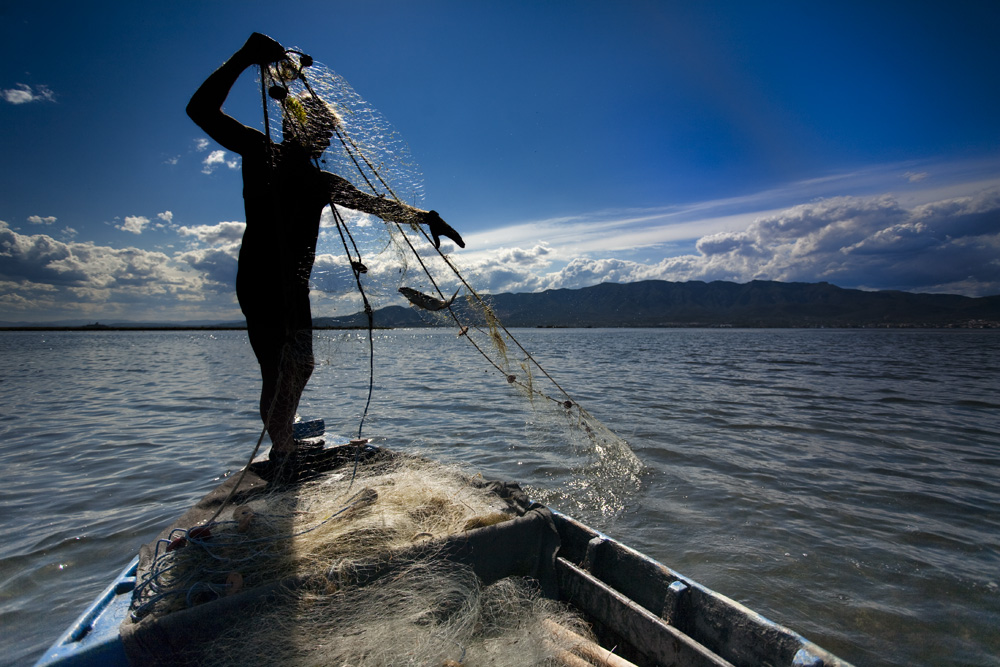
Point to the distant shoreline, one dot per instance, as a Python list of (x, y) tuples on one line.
[(970, 326), (652, 304), (124, 328), (164, 327)]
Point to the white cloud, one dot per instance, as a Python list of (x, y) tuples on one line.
[(201, 144), (218, 234), (43, 278), (24, 94), (929, 240), (664, 229), (41, 259), (871, 242), (508, 269), (39, 220), (868, 242), (216, 266), (218, 158), (213, 160), (217, 263), (134, 224)]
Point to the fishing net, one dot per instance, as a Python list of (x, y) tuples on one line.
[(364, 265), (399, 561), (428, 614), (379, 559)]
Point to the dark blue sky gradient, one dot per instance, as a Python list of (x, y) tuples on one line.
[(516, 111)]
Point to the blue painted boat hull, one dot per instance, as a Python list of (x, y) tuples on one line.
[(93, 639)]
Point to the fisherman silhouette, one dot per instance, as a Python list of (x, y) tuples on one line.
[(284, 193)]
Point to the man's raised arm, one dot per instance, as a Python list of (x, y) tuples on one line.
[(205, 107)]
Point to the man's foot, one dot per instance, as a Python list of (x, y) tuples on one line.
[(280, 468), (308, 460)]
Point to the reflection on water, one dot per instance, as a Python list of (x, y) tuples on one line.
[(844, 483)]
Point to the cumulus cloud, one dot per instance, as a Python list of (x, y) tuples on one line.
[(23, 94), (868, 241), (201, 144), (216, 266), (510, 269), (44, 277), (865, 242), (536, 256), (218, 158), (219, 234), (332, 275), (41, 259), (217, 263), (950, 244), (134, 224), (39, 220)]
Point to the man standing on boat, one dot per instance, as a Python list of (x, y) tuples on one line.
[(284, 193)]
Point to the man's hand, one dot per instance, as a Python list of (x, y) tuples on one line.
[(439, 227), (263, 50)]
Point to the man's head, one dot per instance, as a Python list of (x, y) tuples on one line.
[(309, 122)]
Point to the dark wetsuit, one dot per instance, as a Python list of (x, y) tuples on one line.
[(284, 194)]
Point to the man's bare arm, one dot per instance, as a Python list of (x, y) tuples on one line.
[(205, 107), (343, 193)]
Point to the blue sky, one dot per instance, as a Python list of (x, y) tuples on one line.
[(570, 142)]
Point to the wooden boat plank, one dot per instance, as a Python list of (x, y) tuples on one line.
[(646, 633), (724, 626)]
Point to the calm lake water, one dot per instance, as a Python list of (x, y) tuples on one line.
[(843, 483)]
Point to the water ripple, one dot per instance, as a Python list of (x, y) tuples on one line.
[(842, 482)]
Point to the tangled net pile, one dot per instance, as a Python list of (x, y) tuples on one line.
[(321, 525), (326, 534), (437, 616)]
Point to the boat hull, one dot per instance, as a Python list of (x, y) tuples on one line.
[(649, 613)]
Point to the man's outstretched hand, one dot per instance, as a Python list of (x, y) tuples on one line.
[(439, 227)]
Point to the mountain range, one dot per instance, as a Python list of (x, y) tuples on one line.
[(658, 303)]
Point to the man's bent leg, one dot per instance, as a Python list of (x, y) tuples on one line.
[(270, 344), (296, 365)]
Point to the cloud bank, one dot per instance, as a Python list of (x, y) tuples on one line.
[(43, 278), (950, 245)]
